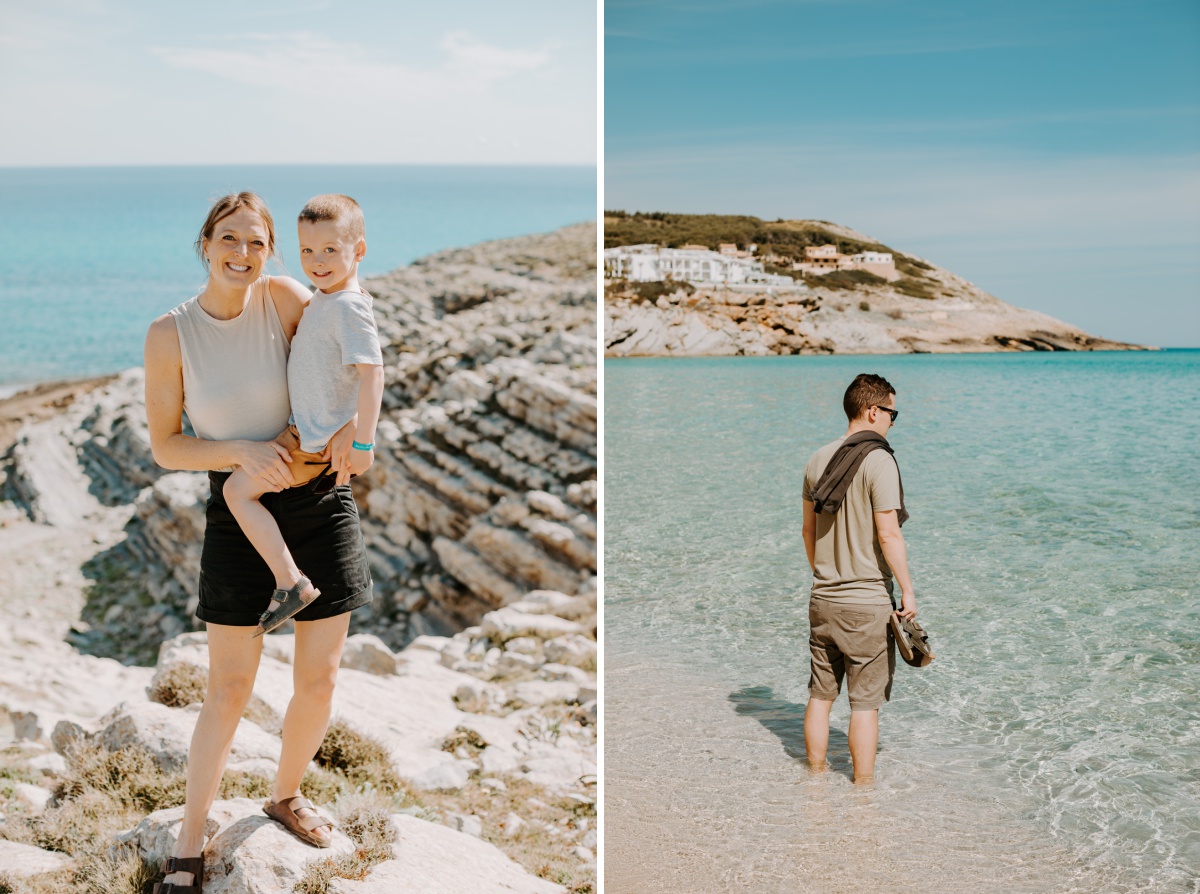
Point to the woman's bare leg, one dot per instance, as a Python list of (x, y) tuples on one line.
[(318, 654), (232, 664), (242, 492)]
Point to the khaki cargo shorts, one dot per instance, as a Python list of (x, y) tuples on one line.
[(851, 641)]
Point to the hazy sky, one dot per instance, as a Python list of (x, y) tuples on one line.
[(85, 82), (1048, 151)]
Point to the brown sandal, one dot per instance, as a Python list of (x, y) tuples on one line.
[(194, 865), (302, 827)]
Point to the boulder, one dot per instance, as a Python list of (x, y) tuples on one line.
[(434, 859), (247, 852), (167, 733), (509, 623), (25, 860), (368, 653)]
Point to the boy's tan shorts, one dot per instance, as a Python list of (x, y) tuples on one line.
[(851, 641), (304, 466)]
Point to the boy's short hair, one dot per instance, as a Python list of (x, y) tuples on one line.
[(342, 210), (866, 391)]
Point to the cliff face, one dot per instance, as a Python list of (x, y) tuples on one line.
[(484, 486), (929, 310)]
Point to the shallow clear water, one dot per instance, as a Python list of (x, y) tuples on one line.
[(1055, 743), (92, 255)]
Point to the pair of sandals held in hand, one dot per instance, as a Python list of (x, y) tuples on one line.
[(912, 640), (284, 812)]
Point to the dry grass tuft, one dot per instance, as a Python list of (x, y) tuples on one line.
[(553, 823), (464, 738), (179, 686), (361, 760), (370, 827)]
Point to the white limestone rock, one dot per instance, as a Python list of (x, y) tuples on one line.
[(167, 733), (434, 859), (25, 860), (368, 653), (509, 623), (247, 852)]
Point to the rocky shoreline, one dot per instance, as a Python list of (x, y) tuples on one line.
[(474, 668), (931, 311)]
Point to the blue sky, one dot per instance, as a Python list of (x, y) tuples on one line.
[(87, 82), (1047, 151)]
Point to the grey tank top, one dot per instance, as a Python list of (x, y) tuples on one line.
[(234, 371)]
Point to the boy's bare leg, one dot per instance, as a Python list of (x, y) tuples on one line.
[(816, 732), (242, 492), (864, 742)]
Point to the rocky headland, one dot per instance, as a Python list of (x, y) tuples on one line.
[(927, 310), (473, 673)]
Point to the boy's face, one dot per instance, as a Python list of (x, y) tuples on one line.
[(328, 256)]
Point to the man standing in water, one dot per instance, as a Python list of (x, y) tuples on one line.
[(853, 510)]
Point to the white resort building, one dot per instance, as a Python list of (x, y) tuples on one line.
[(693, 264)]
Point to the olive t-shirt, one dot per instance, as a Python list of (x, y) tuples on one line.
[(850, 566)]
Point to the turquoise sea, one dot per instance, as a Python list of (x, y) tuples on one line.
[(92, 255), (1053, 746)]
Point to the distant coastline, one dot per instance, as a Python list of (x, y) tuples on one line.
[(799, 287)]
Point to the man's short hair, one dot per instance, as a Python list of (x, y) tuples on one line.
[(866, 391), (342, 210)]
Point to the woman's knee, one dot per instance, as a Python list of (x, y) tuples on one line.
[(230, 692), (316, 685)]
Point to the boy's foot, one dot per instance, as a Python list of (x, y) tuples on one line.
[(285, 604)]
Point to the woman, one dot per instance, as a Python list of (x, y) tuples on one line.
[(222, 357)]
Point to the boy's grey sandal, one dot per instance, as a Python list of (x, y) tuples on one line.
[(302, 827), (290, 604)]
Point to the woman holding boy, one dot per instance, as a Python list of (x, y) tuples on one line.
[(222, 356)]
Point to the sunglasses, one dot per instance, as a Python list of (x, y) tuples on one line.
[(895, 414)]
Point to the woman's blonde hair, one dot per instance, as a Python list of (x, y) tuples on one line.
[(227, 205)]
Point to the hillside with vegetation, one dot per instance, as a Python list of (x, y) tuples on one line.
[(928, 309)]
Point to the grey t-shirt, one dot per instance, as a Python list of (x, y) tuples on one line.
[(336, 332), (850, 566)]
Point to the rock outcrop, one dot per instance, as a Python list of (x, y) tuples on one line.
[(930, 310), (480, 521), (484, 485)]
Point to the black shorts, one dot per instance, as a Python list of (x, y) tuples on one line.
[(325, 538)]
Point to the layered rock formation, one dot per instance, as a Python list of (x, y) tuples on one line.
[(930, 310), (484, 485), (480, 521)]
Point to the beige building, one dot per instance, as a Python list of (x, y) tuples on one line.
[(822, 259)]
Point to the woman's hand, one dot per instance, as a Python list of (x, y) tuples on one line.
[(269, 462)]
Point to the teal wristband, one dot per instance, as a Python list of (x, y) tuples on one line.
[(358, 446)]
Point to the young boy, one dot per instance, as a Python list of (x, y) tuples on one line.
[(335, 369)]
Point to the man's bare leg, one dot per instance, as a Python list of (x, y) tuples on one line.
[(864, 742), (816, 732)]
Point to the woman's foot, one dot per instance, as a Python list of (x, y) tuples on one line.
[(187, 877), (298, 815)]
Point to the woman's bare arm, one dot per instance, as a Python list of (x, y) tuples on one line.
[(164, 414)]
